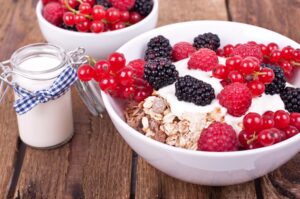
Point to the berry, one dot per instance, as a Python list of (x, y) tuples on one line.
[(68, 18), (267, 75), (256, 87), (85, 8), (124, 16), (264, 49), (84, 25), (268, 137), (236, 76), (123, 5), (190, 89), (204, 59), (118, 26), (236, 97), (143, 7), (291, 131), (287, 53), (134, 17), (138, 67), (254, 145), (104, 3), (271, 47), (248, 66), (117, 61), (281, 119), (287, 68), (218, 137), (244, 137), (278, 84), (53, 13), (158, 46), (295, 120), (296, 55), (275, 56), (125, 76), (98, 12), (267, 122), (48, 1), (91, 2), (72, 3), (248, 50), (207, 40), (160, 72), (220, 72), (129, 92), (182, 50), (97, 26), (269, 114), (228, 50), (108, 84), (86, 73), (233, 63), (291, 99), (102, 69), (252, 122), (142, 94), (112, 15)]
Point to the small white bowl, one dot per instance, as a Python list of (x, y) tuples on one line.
[(96, 45), (206, 168)]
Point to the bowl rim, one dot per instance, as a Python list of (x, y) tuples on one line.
[(114, 116), (150, 16)]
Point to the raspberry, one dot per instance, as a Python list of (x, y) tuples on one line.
[(123, 5), (144, 7), (291, 99), (160, 72), (204, 59), (53, 12), (218, 137), (182, 50), (248, 50), (158, 46), (207, 40), (138, 67), (190, 89), (236, 97)]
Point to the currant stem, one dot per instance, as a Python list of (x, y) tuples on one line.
[(76, 11)]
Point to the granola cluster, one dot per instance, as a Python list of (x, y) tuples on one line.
[(154, 118)]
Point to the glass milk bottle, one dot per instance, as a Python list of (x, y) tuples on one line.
[(35, 68)]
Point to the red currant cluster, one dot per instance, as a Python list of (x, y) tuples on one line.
[(247, 70), (268, 129), (287, 58), (116, 78)]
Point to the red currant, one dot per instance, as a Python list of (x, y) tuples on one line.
[(86, 72), (233, 63), (281, 119), (282, 136), (252, 122), (287, 53), (267, 123), (124, 16), (98, 12), (256, 87), (235, 76), (112, 15), (79, 18), (271, 47), (244, 138), (71, 3), (254, 145), (287, 68), (69, 18), (125, 76), (264, 49), (135, 17), (83, 26), (228, 50), (119, 25), (108, 84), (102, 69), (248, 66), (129, 92), (267, 75), (97, 26), (291, 131), (295, 120), (91, 2), (220, 72), (85, 8), (117, 61), (268, 137), (269, 114), (220, 52), (141, 95), (296, 55), (275, 56), (138, 67)]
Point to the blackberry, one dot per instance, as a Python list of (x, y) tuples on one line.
[(207, 40), (291, 99), (71, 28), (278, 84), (158, 46), (190, 89), (160, 72), (104, 3), (144, 7)]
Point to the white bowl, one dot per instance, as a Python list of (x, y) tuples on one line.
[(206, 168), (96, 45)]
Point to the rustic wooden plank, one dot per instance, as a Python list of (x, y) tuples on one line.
[(152, 183), (284, 182)]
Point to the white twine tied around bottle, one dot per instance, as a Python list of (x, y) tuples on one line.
[(28, 100)]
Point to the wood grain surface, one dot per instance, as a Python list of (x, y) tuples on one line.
[(97, 163)]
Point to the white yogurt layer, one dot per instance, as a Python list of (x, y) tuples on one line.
[(178, 108)]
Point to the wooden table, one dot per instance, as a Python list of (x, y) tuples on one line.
[(97, 163)]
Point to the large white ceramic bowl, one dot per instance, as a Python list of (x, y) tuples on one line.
[(207, 168), (96, 45)]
